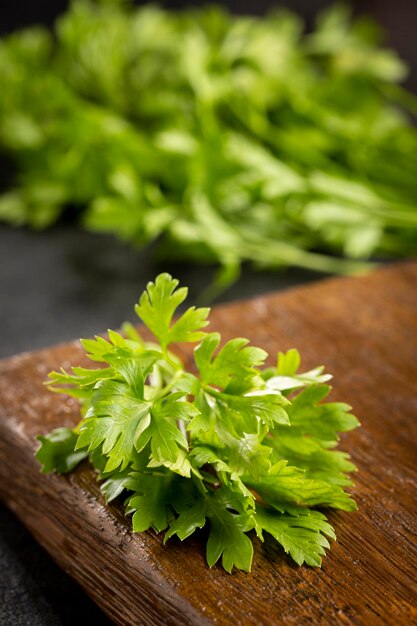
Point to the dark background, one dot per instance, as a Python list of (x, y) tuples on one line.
[(398, 17), (63, 283)]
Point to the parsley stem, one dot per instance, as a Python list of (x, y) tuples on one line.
[(168, 388), (276, 253)]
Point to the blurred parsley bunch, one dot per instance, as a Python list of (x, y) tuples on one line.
[(231, 443), (226, 139)]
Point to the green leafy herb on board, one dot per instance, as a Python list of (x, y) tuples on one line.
[(224, 139), (230, 444)]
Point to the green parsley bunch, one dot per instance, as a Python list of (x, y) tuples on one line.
[(230, 444), (222, 138)]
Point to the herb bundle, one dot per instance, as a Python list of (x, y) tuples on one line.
[(232, 444), (225, 139)]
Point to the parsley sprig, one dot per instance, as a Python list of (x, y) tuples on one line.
[(223, 139), (230, 444)]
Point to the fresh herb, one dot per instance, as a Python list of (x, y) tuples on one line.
[(230, 444), (225, 139)]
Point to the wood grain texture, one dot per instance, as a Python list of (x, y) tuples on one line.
[(365, 331)]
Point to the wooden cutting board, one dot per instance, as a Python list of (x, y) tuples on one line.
[(365, 331)]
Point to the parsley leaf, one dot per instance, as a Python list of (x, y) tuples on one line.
[(57, 451), (116, 419), (150, 502), (188, 520), (285, 484), (168, 442), (228, 538), (157, 306), (302, 535), (233, 367)]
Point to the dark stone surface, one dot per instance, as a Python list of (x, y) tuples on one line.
[(57, 285), (63, 283)]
